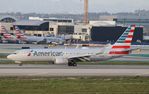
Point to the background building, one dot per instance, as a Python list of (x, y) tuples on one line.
[(61, 28), (102, 30), (7, 21), (111, 34), (138, 22), (57, 20), (38, 28)]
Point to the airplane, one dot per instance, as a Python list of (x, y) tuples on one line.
[(31, 39), (17, 36), (6, 36), (54, 40), (25, 38), (70, 56)]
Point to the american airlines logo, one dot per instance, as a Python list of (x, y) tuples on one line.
[(30, 53), (51, 53)]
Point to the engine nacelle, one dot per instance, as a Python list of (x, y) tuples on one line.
[(61, 61), (18, 62)]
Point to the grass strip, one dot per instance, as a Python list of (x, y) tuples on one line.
[(74, 85)]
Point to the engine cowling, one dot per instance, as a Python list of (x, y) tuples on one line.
[(61, 61)]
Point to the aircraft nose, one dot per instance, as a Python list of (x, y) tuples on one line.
[(11, 57)]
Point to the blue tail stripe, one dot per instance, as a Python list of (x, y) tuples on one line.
[(124, 35)]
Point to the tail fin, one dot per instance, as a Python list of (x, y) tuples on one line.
[(3, 29), (17, 30), (4, 32), (123, 44), (18, 33)]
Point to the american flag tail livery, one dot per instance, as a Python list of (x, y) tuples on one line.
[(18, 33), (5, 33), (17, 30), (123, 44)]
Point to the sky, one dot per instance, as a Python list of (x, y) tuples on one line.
[(72, 6)]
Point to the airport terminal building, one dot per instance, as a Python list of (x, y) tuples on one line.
[(42, 28), (37, 28), (101, 31)]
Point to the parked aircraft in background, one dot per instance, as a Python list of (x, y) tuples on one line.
[(72, 55), (26, 38), (30, 39), (6, 36), (54, 40)]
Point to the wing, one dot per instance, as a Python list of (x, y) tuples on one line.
[(78, 59), (82, 57)]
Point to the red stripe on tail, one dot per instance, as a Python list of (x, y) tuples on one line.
[(130, 36), (132, 31), (127, 41), (119, 52), (114, 47)]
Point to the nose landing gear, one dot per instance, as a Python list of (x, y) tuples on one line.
[(18, 62)]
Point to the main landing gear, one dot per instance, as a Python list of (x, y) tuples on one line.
[(74, 64)]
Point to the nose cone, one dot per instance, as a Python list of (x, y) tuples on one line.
[(11, 57)]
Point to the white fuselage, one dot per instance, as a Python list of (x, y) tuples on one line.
[(42, 38), (53, 54), (34, 38)]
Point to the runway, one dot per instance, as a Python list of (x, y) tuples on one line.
[(80, 70)]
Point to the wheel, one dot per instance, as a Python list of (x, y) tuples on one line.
[(69, 64), (72, 64)]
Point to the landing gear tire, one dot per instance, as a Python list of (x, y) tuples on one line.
[(72, 64)]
